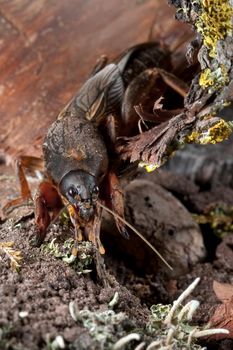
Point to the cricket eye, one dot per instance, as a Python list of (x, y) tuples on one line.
[(95, 190), (72, 192)]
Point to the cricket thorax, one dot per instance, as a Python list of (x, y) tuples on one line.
[(74, 143)]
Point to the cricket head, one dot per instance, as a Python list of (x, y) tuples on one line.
[(82, 192)]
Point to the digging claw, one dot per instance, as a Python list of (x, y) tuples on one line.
[(35, 242), (71, 259), (74, 252), (38, 239)]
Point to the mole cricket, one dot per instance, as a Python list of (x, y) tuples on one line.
[(80, 161)]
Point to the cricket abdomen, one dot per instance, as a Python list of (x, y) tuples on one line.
[(141, 57)]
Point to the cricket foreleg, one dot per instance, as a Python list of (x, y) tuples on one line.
[(117, 202), (48, 205)]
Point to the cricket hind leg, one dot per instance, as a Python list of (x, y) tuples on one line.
[(115, 201), (145, 90), (113, 193), (93, 230), (22, 163), (48, 205)]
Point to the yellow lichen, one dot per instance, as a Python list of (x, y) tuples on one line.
[(214, 23), (193, 137), (153, 166), (219, 218), (206, 78), (220, 131), (217, 133), (217, 78), (149, 167)]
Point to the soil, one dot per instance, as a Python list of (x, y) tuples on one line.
[(34, 302)]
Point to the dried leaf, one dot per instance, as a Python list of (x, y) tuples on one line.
[(158, 116), (154, 146), (158, 104), (223, 318), (223, 315), (223, 291), (15, 256)]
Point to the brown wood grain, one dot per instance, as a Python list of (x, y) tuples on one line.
[(48, 47)]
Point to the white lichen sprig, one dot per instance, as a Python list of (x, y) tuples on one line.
[(101, 324), (63, 252), (170, 326), (57, 344), (175, 323)]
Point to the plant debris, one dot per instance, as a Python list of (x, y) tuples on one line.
[(15, 256)]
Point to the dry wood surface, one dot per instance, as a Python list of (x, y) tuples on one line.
[(48, 49)]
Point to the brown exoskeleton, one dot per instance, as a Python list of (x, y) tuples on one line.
[(80, 162)]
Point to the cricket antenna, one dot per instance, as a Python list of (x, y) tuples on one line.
[(137, 233)]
